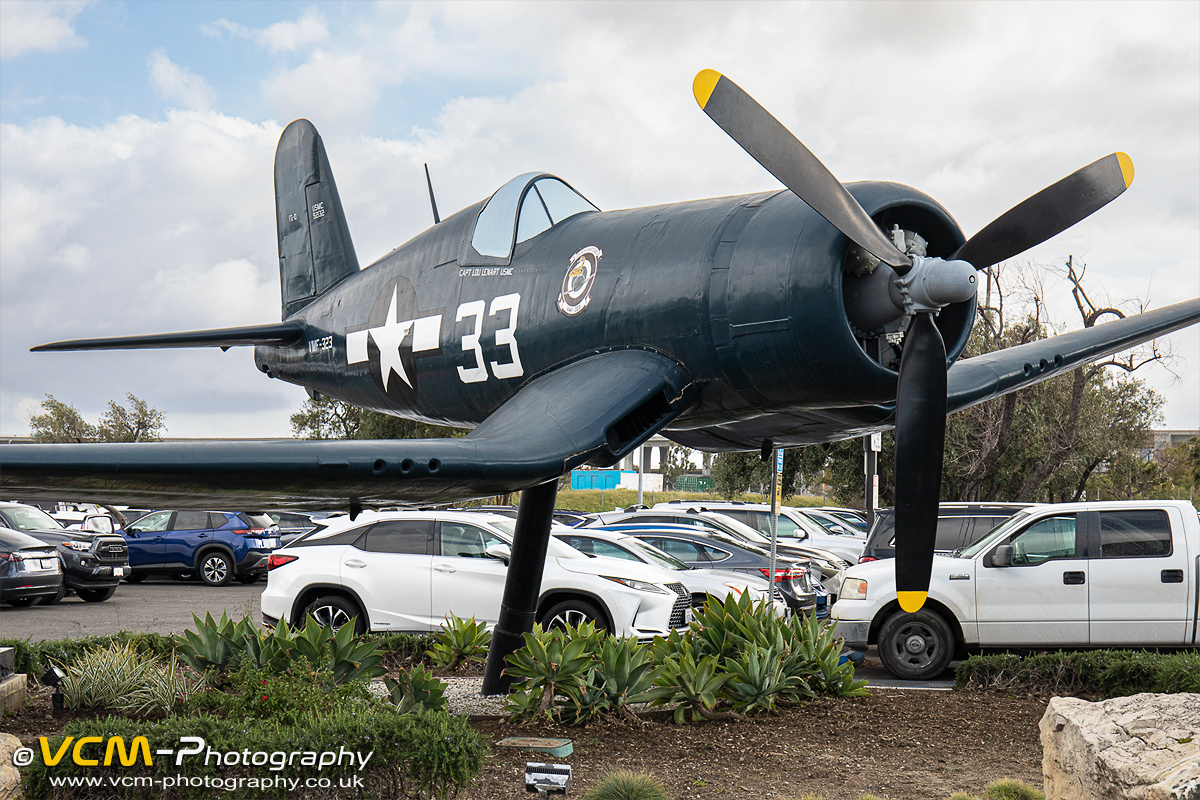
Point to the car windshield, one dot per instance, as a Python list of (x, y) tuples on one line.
[(653, 555), (986, 541), (28, 518), (554, 547), (739, 529)]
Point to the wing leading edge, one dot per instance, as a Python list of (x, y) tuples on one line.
[(591, 411)]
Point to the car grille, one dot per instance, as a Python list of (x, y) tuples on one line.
[(682, 604), (112, 550)]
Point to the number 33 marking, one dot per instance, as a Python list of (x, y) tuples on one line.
[(505, 337)]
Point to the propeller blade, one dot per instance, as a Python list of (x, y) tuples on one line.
[(785, 157), (1049, 212), (920, 439)]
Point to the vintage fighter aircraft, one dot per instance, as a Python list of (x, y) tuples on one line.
[(565, 335)]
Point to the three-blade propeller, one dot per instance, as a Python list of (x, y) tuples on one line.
[(921, 385)]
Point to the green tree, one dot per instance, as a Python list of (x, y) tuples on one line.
[(136, 423), (59, 422), (326, 418), (735, 474)]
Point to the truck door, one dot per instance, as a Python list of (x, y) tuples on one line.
[(1141, 583), (1042, 597)]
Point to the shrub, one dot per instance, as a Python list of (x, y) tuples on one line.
[(34, 658), (412, 755), (626, 785), (1094, 673)]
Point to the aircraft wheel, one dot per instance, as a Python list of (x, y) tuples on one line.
[(573, 613), (916, 646), (216, 568), (335, 611)]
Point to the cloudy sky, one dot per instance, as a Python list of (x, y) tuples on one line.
[(136, 146)]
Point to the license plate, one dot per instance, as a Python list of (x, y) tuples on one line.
[(689, 614), (118, 572)]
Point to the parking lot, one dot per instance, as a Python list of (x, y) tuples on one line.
[(157, 605)]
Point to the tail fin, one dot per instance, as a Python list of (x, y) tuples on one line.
[(315, 251)]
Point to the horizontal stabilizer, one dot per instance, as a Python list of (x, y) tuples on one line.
[(276, 333)]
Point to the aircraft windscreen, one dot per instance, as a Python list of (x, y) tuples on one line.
[(548, 201)]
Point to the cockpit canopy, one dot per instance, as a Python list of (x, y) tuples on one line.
[(523, 208)]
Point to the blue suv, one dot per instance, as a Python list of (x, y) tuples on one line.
[(218, 546)]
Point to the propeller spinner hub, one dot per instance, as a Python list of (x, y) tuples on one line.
[(933, 283)]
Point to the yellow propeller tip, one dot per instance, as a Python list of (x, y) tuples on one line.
[(1126, 168), (703, 85), (911, 601)]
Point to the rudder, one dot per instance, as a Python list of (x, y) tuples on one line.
[(315, 251)]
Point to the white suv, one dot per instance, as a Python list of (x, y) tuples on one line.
[(408, 570)]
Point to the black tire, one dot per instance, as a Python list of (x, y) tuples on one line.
[(96, 595), (247, 579), (54, 599), (21, 602), (574, 613), (215, 568), (335, 611), (135, 577), (916, 646)]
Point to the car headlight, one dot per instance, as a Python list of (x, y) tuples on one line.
[(82, 547), (641, 586), (853, 589)]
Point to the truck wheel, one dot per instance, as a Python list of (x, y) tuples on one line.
[(216, 568), (335, 611), (573, 613), (96, 595), (54, 599), (915, 646)]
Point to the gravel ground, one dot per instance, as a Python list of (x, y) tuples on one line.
[(463, 697)]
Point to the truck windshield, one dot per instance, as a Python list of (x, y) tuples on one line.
[(989, 538)]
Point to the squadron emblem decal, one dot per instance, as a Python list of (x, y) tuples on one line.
[(576, 291)]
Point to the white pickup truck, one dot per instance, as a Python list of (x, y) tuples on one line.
[(1075, 575)]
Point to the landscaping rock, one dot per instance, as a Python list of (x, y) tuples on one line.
[(1144, 747), (10, 777)]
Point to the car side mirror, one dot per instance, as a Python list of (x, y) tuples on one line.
[(98, 523), (1002, 556), (499, 551)]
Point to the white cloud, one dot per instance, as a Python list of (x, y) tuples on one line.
[(178, 84), (30, 25), (289, 36), (280, 37)]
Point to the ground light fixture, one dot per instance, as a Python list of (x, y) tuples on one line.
[(54, 677), (547, 779)]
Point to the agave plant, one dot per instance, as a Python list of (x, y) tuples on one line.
[(548, 662), (695, 684), (416, 689), (459, 642)]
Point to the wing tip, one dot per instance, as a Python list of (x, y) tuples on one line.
[(704, 84)]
